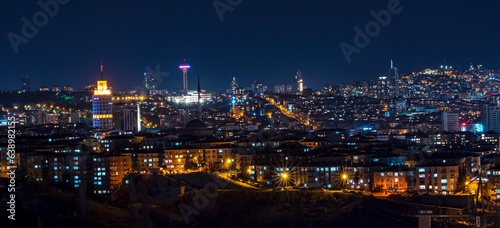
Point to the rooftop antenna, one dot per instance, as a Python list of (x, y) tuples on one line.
[(102, 77)]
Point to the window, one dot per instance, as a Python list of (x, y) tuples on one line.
[(444, 181), (421, 170), (381, 174), (435, 175)]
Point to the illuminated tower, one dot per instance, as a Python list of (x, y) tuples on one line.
[(102, 105), (300, 81), (184, 67)]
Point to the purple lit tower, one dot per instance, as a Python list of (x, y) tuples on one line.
[(184, 67)]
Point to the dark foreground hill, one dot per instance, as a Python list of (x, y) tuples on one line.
[(159, 202)]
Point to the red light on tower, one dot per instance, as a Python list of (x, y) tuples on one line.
[(464, 124)]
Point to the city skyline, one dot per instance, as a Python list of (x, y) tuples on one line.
[(297, 42), (237, 113), (293, 81)]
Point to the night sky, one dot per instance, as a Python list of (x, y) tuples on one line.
[(258, 40)]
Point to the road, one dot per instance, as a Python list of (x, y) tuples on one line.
[(225, 177)]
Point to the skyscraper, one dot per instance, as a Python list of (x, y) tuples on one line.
[(125, 117), (394, 82), (26, 83), (102, 105), (234, 86), (300, 81), (150, 82), (184, 67), (382, 88), (258, 87), (490, 116), (450, 121)]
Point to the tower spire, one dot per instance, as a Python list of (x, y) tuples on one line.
[(184, 67), (102, 77), (199, 98)]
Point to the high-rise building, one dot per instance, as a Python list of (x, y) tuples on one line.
[(184, 67), (234, 86), (394, 82), (125, 117), (279, 89), (289, 88), (300, 81), (382, 88), (258, 87), (450, 121), (490, 117), (484, 116), (150, 82), (102, 105), (26, 83)]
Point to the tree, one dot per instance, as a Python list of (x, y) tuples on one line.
[(378, 188), (356, 178), (190, 165), (462, 180)]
